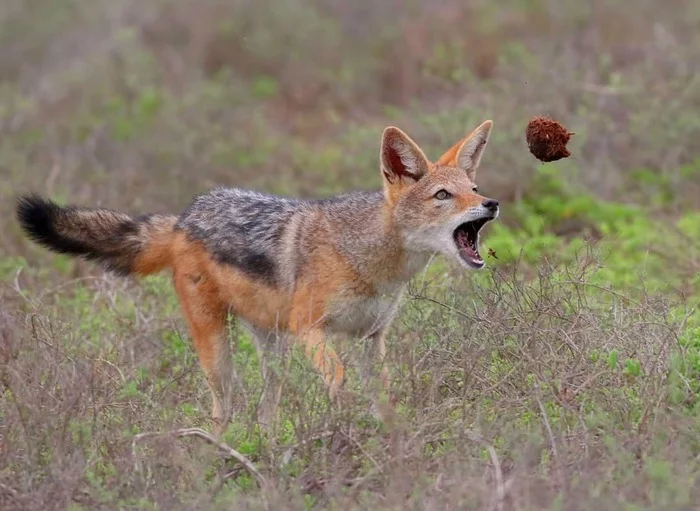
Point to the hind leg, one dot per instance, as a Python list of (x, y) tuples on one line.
[(206, 317)]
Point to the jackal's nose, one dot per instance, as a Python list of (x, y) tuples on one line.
[(490, 204)]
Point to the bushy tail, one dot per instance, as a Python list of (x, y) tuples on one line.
[(116, 241)]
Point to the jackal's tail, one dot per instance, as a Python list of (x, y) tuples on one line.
[(116, 241)]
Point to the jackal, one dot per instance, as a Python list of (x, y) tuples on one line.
[(303, 268)]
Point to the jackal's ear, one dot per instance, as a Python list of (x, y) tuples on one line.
[(400, 157), (466, 154)]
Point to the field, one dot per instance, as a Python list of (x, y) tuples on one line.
[(565, 376)]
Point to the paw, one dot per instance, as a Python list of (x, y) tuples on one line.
[(383, 407), (266, 416), (334, 391), (218, 426), (220, 422)]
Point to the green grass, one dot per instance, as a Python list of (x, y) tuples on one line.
[(565, 376)]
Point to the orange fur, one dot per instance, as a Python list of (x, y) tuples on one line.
[(396, 190), (263, 306), (207, 289), (206, 317), (157, 254), (449, 158), (314, 294)]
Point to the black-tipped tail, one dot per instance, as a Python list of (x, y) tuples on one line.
[(110, 238), (39, 217)]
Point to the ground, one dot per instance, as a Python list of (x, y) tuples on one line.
[(564, 376)]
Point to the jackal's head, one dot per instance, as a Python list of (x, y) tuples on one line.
[(436, 206)]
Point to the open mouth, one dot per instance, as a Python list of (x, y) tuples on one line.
[(467, 240)]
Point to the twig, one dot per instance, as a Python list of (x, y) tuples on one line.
[(221, 480), (359, 481), (184, 373), (225, 449), (17, 286), (605, 289), (287, 455), (113, 366), (14, 494), (441, 304), (550, 433), (363, 451), (500, 485)]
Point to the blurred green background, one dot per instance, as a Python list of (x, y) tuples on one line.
[(140, 105), (137, 105)]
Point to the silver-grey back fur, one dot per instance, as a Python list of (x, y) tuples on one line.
[(263, 235)]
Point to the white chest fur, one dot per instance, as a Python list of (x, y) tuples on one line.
[(363, 316)]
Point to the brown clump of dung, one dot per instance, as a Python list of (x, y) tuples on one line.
[(547, 139)]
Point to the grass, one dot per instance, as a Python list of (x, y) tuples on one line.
[(565, 376)]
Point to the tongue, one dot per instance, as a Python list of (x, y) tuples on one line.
[(468, 251)]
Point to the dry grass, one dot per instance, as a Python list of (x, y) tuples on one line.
[(552, 384), (502, 403)]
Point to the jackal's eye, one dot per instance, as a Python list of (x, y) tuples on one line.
[(475, 189), (442, 195)]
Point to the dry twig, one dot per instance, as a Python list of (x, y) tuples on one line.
[(224, 449)]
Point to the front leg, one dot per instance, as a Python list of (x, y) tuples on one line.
[(324, 359), (307, 321), (373, 364)]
